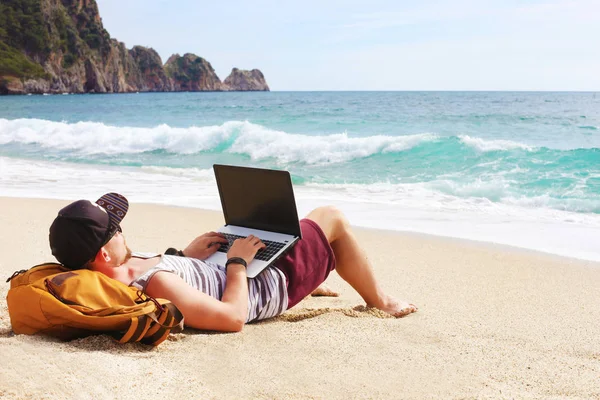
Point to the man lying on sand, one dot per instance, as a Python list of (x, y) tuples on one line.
[(211, 296)]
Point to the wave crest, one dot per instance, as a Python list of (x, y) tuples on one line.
[(484, 145), (83, 139), (238, 137)]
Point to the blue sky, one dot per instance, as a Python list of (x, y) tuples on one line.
[(376, 44)]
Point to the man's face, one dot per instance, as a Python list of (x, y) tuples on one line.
[(118, 250)]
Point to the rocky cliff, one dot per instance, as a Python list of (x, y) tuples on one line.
[(246, 80), (147, 73), (192, 73), (61, 46)]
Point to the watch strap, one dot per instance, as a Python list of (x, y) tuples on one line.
[(236, 260)]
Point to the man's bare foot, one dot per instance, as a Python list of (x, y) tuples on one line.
[(397, 308), (324, 290)]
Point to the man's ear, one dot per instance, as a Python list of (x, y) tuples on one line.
[(103, 254), (102, 257)]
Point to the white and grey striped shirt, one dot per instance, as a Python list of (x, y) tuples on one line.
[(267, 292)]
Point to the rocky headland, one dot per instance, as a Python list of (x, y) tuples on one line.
[(61, 46)]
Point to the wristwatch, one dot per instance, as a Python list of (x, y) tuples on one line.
[(171, 251), (236, 260)]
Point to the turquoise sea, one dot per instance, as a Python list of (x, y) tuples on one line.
[(519, 168)]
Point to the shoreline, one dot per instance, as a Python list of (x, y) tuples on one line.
[(493, 322), (433, 236)]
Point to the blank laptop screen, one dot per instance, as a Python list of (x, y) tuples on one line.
[(258, 198)]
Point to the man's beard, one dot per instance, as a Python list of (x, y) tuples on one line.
[(127, 255)]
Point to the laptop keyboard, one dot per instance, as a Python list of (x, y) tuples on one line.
[(262, 254)]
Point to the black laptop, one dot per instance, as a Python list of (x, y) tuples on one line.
[(257, 202)]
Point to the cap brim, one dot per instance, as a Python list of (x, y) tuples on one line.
[(116, 205)]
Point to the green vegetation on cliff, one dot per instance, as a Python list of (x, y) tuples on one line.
[(14, 63), (90, 30), (23, 38), (77, 28), (26, 40), (22, 26), (67, 38)]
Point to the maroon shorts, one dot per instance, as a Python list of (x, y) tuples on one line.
[(308, 263)]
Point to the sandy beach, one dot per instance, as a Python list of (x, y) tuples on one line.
[(493, 322)]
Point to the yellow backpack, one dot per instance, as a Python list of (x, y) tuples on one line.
[(68, 304)]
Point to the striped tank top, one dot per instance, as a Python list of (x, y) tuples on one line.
[(267, 292)]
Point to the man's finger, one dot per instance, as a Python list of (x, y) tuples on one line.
[(215, 234)]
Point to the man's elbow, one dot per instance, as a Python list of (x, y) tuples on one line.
[(228, 320), (236, 324), (235, 319)]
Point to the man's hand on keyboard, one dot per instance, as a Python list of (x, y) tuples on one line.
[(245, 248), (204, 245)]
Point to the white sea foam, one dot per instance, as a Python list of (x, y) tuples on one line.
[(86, 138), (494, 189), (198, 174), (430, 196), (485, 145), (238, 137), (98, 138), (30, 178), (418, 207), (261, 143)]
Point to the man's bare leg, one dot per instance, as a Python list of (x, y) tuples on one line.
[(352, 263)]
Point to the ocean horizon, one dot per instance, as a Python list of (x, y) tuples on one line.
[(508, 167)]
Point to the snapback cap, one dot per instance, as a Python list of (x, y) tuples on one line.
[(83, 227)]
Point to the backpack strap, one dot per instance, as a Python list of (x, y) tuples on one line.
[(169, 320), (137, 329), (16, 273), (153, 328)]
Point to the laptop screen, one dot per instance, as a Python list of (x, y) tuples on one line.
[(258, 198)]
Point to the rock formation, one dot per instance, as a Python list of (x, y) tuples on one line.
[(192, 73), (245, 81), (61, 46)]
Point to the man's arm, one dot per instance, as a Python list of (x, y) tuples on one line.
[(200, 310)]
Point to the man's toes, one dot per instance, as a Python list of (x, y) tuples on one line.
[(409, 309)]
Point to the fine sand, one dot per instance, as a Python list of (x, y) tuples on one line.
[(493, 322)]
